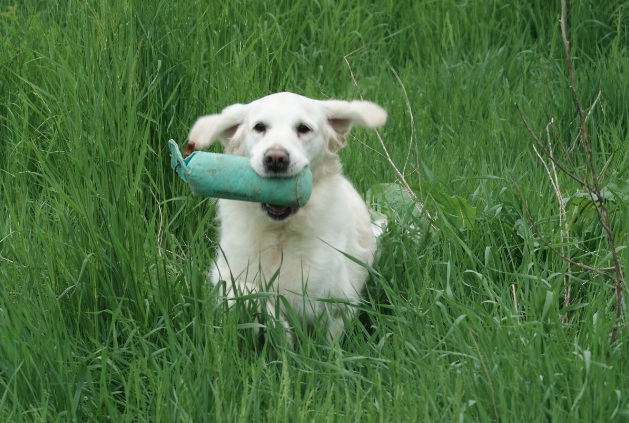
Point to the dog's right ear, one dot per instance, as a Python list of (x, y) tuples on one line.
[(342, 115), (222, 126)]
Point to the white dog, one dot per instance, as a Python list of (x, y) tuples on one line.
[(299, 253)]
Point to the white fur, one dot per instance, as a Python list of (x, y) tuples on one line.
[(301, 257)]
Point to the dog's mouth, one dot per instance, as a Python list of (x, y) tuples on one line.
[(278, 212)]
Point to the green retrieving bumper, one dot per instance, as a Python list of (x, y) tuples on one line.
[(231, 177)]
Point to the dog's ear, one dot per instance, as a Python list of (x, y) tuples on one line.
[(222, 126), (342, 115)]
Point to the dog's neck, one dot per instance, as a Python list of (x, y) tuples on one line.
[(325, 166)]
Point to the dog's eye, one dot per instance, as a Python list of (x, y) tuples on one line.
[(259, 127), (303, 129)]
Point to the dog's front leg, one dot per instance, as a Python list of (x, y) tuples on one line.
[(275, 315), (266, 307)]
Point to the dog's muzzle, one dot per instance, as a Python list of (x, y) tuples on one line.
[(276, 162)]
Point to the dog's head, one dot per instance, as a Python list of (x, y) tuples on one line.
[(284, 132)]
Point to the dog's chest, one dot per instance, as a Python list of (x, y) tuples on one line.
[(275, 247), (300, 248), (271, 250)]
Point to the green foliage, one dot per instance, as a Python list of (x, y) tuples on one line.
[(105, 312)]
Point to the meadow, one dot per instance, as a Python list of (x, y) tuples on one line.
[(105, 312)]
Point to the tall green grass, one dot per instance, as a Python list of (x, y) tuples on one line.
[(105, 313)]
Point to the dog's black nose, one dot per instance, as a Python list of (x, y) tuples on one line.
[(276, 160)]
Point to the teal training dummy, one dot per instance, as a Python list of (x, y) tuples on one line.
[(231, 177)]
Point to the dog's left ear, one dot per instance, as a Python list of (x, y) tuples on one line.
[(342, 115), (222, 126)]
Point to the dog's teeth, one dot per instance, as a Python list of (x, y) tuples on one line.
[(277, 208), (277, 212)]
